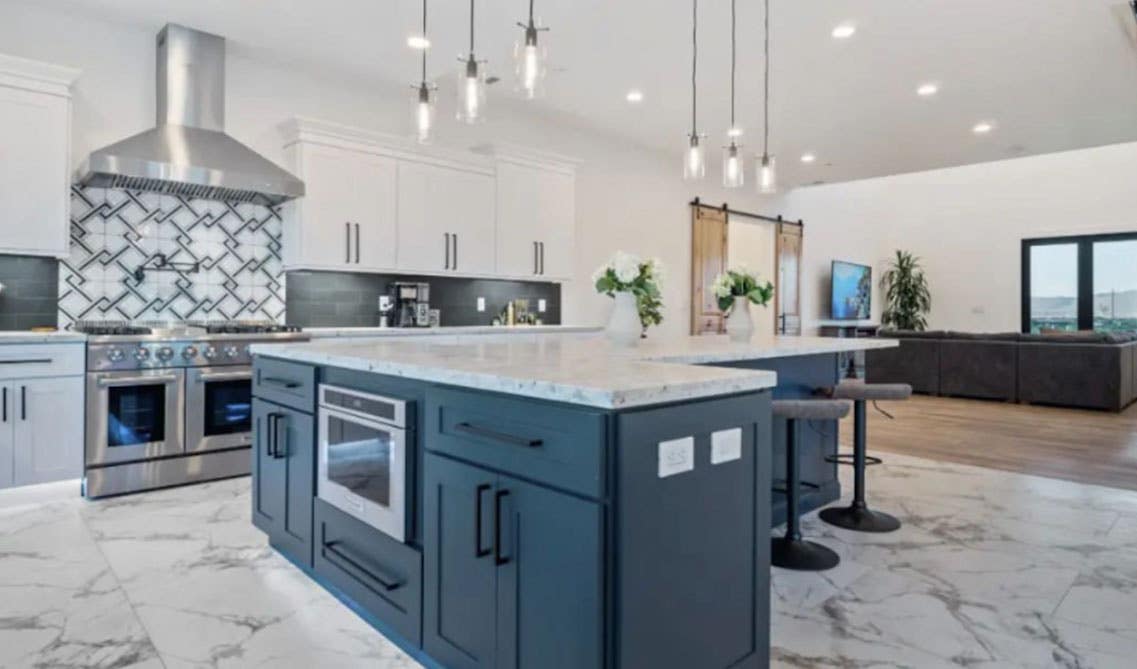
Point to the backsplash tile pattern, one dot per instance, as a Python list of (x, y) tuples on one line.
[(348, 299), (29, 296), (237, 246)]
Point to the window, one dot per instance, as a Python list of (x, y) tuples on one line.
[(1080, 283)]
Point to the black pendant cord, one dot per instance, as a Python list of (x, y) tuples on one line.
[(732, 67), (694, 67), (530, 12), (766, 91), (471, 28), (424, 37)]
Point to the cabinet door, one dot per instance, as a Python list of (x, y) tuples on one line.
[(424, 242), (435, 205), (374, 210), (517, 227), (459, 575), (284, 477), (556, 216), (550, 585), (466, 204), (7, 436), (47, 415), (326, 211), (34, 148)]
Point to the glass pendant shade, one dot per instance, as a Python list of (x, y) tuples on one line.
[(530, 63), (767, 175), (471, 92), (733, 167), (424, 114), (695, 159)]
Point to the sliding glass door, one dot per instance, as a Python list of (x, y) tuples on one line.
[(1080, 283)]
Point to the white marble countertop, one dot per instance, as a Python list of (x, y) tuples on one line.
[(28, 337), (322, 333), (589, 371)]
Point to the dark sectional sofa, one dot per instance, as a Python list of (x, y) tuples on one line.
[(1087, 370)]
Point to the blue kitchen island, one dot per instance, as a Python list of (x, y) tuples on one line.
[(543, 502)]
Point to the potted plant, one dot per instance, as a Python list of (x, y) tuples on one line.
[(736, 289), (907, 299), (634, 284)]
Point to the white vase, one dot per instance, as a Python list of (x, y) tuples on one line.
[(738, 323), (624, 327)]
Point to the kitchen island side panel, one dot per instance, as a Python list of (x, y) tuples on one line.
[(692, 548)]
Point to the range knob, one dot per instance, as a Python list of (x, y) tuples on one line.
[(209, 352), (142, 354), (232, 351), (165, 353), (189, 352), (115, 355)]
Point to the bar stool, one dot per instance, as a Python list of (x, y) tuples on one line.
[(858, 517), (791, 551)]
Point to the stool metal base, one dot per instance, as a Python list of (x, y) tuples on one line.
[(860, 519), (801, 555)]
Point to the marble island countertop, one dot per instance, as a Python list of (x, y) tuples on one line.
[(29, 337), (323, 333), (589, 371)]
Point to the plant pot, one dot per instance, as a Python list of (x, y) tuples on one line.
[(739, 325), (624, 327)]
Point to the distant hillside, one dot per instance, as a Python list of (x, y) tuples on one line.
[(1118, 305)]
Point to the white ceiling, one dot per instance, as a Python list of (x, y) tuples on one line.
[(1050, 74)]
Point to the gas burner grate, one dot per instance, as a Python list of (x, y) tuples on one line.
[(109, 328)]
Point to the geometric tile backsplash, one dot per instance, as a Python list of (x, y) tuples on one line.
[(237, 247)]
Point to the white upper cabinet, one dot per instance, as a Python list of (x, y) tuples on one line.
[(346, 220), (536, 218), (446, 219), (35, 157)]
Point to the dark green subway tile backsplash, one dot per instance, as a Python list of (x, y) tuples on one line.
[(30, 295), (346, 299)]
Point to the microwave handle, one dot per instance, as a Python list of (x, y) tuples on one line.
[(137, 380)]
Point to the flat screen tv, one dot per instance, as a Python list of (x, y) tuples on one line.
[(851, 296)]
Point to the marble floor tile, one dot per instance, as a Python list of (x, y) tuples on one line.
[(990, 569)]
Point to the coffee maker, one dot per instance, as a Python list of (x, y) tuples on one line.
[(412, 304)]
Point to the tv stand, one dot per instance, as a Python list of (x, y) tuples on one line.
[(853, 363)]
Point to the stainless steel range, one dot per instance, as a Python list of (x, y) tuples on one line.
[(169, 404)]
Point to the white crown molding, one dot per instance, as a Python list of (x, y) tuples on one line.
[(37, 76), (524, 155)]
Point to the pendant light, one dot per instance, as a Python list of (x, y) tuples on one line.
[(423, 103), (471, 83), (694, 162), (530, 58), (733, 165), (767, 172)]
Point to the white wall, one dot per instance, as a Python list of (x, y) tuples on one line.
[(967, 224), (628, 197)]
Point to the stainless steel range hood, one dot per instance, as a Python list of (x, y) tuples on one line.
[(188, 153)]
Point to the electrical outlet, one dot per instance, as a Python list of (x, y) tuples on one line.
[(481, 304), (676, 456), (541, 306)]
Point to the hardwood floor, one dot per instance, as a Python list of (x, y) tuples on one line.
[(1075, 445)]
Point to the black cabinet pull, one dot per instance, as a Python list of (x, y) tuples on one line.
[(347, 240), (356, 243), (34, 361), (536, 262), (277, 451), (346, 559), (479, 552), (23, 402), (498, 557), (446, 243), (5, 403), (454, 240), (280, 383), (270, 438), (470, 428), (542, 258)]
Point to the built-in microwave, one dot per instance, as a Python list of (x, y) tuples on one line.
[(362, 458)]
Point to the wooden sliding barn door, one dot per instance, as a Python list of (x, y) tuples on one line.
[(708, 260), (787, 292)]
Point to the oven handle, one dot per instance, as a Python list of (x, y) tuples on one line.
[(226, 376), (343, 557), (137, 380)]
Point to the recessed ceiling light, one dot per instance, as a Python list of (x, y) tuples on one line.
[(808, 157), (418, 42), (983, 127), (927, 90), (635, 95), (844, 31)]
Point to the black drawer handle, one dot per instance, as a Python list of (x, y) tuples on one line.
[(36, 361), (346, 559), (499, 558), (280, 383), (470, 428), (479, 552)]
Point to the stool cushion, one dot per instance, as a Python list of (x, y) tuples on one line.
[(811, 409), (859, 390)]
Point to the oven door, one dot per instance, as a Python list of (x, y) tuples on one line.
[(219, 408), (362, 470), (134, 415)]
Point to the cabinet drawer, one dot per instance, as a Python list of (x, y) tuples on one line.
[(560, 446), (289, 383), (380, 574), (27, 361)]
